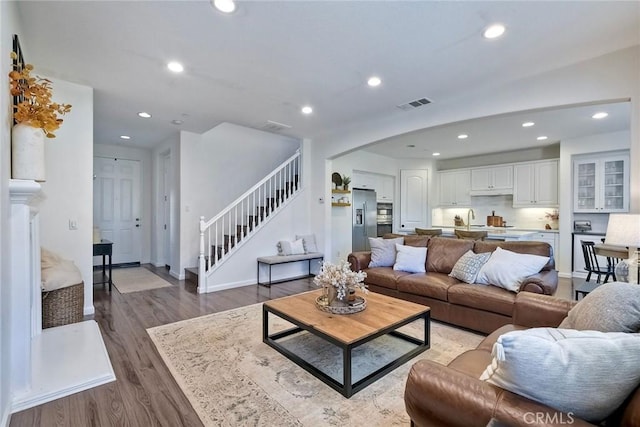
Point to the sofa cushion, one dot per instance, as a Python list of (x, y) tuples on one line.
[(487, 298), (417, 241), (587, 373), (410, 259), (521, 247), (385, 277), (383, 251), (612, 307), (507, 269), (432, 285), (468, 266), (445, 252)]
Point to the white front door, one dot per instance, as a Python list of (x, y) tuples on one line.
[(116, 206)]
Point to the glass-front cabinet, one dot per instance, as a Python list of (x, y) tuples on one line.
[(601, 184)]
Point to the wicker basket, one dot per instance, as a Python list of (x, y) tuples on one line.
[(63, 306)]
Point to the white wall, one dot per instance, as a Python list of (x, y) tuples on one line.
[(609, 77), (144, 157), (214, 173), (8, 26), (569, 148), (341, 217), (68, 190), (169, 147)]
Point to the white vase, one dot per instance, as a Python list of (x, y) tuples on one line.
[(27, 153)]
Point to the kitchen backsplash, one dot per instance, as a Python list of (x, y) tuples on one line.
[(483, 206)]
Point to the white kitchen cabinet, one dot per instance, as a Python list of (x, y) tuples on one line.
[(492, 180), (535, 184), (364, 180), (601, 184), (549, 237), (385, 188), (413, 199), (454, 188)]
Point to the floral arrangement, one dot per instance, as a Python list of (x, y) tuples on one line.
[(554, 216), (341, 277), (35, 107)]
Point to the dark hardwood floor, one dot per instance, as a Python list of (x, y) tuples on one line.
[(144, 393)]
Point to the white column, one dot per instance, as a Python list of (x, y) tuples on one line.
[(25, 278)]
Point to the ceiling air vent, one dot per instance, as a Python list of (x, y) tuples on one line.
[(272, 126), (414, 104)]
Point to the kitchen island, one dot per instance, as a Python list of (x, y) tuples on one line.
[(494, 233)]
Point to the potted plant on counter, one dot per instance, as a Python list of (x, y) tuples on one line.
[(36, 115), (345, 182)]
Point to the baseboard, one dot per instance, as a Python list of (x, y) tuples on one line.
[(231, 285), (6, 416), (88, 311), (177, 275), (158, 264), (565, 275)]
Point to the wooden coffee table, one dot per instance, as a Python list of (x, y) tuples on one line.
[(383, 315)]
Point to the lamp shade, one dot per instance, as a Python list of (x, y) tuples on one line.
[(623, 230)]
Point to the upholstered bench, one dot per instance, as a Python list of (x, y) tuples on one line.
[(285, 259)]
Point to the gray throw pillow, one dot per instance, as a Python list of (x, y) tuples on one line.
[(468, 266), (612, 307), (383, 251), (587, 373)]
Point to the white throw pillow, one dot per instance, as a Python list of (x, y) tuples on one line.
[(410, 259), (286, 247), (507, 269), (383, 251), (468, 266), (309, 242), (587, 373)]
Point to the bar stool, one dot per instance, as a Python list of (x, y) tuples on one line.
[(470, 235)]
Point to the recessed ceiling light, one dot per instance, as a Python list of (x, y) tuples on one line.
[(226, 6), (463, 136), (176, 67), (542, 138), (494, 31), (527, 124), (176, 122), (435, 154), (307, 110), (600, 115), (125, 137), (144, 115), (374, 81)]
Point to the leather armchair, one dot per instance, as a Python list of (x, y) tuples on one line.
[(438, 395)]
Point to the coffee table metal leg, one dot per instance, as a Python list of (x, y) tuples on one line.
[(347, 384)]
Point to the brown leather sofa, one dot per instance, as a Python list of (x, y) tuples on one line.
[(477, 307), (438, 395)]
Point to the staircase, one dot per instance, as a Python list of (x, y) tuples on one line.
[(224, 234)]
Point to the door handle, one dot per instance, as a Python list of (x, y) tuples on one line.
[(137, 225)]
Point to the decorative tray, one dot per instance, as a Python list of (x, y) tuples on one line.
[(351, 307)]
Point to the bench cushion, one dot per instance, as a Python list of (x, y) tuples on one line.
[(281, 259)]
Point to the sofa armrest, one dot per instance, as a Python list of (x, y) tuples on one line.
[(537, 311), (359, 260), (544, 282), (436, 395)]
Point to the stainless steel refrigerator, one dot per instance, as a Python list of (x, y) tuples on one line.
[(365, 223)]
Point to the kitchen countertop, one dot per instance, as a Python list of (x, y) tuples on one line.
[(494, 232), (484, 227)]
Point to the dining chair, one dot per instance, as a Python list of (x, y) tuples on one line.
[(429, 231), (471, 235), (591, 264)]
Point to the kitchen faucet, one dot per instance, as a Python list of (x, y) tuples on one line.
[(470, 215)]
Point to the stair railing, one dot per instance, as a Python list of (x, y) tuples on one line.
[(228, 230)]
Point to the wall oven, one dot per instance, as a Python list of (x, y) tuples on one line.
[(385, 218)]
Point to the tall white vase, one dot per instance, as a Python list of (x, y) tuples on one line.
[(27, 153)]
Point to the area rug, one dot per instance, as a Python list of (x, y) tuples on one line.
[(135, 279), (231, 377)]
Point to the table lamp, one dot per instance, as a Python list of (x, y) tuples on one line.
[(624, 230)]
